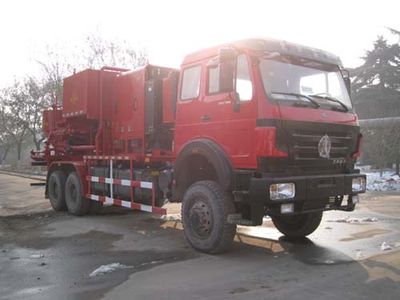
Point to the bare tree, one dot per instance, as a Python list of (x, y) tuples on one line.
[(6, 142), (101, 52), (22, 107), (12, 118), (54, 67), (38, 99)]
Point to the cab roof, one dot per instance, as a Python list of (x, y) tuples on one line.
[(268, 45)]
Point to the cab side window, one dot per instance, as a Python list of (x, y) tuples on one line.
[(191, 83), (244, 87)]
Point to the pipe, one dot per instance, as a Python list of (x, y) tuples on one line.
[(83, 148), (115, 69)]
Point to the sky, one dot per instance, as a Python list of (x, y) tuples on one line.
[(171, 29)]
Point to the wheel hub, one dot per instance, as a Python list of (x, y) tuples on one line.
[(201, 219)]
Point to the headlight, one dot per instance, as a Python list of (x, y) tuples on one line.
[(280, 191), (358, 184)]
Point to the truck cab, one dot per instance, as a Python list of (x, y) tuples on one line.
[(269, 125)]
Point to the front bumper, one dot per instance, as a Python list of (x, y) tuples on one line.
[(313, 193)]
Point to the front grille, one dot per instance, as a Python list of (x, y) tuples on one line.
[(300, 140), (304, 144)]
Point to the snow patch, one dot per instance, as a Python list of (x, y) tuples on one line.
[(329, 262), (151, 263), (385, 246), (354, 220), (387, 182), (171, 217), (104, 269), (359, 255)]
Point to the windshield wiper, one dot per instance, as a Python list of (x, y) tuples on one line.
[(299, 96), (329, 98)]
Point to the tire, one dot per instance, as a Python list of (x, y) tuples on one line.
[(56, 190), (298, 226), (205, 210), (77, 205)]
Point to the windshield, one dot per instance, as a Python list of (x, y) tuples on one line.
[(293, 82)]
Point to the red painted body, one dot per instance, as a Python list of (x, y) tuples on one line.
[(106, 112)]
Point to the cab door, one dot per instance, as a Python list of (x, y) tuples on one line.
[(228, 117), (189, 109)]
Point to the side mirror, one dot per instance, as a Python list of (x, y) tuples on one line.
[(348, 84), (226, 76), (226, 54), (346, 78), (227, 60)]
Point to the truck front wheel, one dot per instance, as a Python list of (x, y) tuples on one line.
[(76, 203), (298, 226), (205, 210), (56, 187)]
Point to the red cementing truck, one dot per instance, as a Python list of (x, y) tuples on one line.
[(243, 130)]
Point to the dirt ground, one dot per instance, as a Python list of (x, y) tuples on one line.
[(49, 255)]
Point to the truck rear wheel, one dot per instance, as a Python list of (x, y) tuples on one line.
[(56, 188), (76, 203), (205, 210), (298, 226)]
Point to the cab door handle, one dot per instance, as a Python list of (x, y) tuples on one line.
[(205, 118)]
